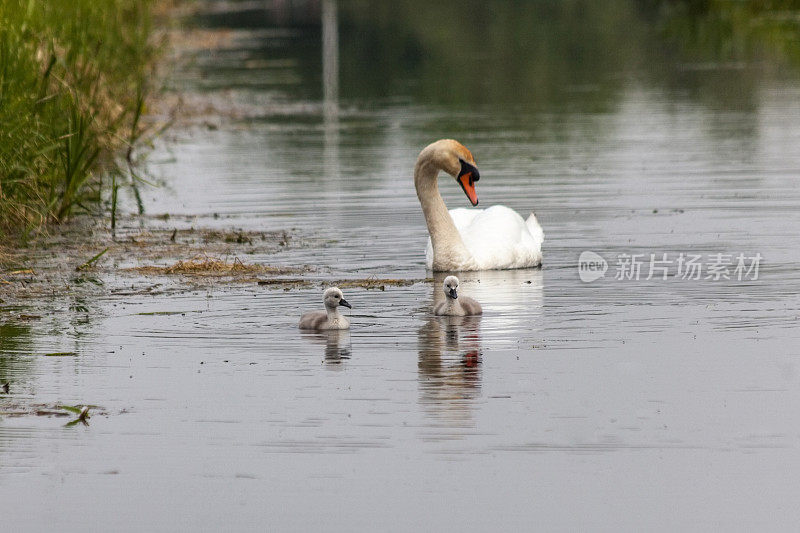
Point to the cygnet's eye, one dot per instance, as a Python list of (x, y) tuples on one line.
[(337, 296)]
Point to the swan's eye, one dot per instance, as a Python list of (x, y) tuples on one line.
[(337, 296)]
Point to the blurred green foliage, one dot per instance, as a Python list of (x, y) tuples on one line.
[(475, 51), (731, 30), (548, 55)]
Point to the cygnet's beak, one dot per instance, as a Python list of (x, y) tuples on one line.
[(453, 294), (467, 178), (345, 303)]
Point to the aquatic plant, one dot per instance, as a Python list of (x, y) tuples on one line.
[(82, 413), (73, 82)]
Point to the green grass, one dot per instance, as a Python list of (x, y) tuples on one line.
[(74, 79)]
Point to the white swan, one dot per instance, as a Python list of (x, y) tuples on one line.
[(470, 239), (331, 318), (453, 305)]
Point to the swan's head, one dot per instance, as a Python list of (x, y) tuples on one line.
[(454, 158), (333, 298), (451, 287)]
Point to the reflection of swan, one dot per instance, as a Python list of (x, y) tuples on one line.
[(337, 344), (454, 305), (475, 239), (331, 318), (449, 366)]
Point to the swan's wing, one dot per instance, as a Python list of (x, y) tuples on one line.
[(499, 238), (463, 217), (470, 306), (535, 228), (313, 320)]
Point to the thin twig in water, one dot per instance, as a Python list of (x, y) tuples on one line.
[(89, 263)]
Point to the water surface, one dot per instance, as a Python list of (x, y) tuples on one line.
[(658, 404)]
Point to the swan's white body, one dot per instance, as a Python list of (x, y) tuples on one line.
[(461, 239), (497, 238)]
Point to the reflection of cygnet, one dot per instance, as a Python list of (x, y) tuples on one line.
[(453, 305), (330, 318)]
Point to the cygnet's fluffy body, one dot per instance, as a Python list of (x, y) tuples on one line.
[(455, 305), (330, 318)]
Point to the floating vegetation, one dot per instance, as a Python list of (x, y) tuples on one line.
[(81, 411), (163, 313), (285, 281), (213, 255), (204, 265), (377, 283), (17, 275), (371, 283), (91, 261), (61, 354), (7, 257), (22, 271)]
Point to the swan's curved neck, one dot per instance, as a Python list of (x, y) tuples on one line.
[(448, 247)]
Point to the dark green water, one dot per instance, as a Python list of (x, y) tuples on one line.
[(655, 404)]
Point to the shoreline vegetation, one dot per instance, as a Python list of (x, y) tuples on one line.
[(75, 78)]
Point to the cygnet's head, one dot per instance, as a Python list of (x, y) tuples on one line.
[(451, 287), (333, 298)]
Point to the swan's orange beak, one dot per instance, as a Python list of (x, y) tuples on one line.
[(467, 178)]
